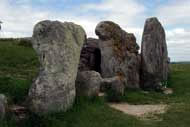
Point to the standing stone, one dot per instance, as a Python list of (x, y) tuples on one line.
[(3, 104), (90, 58), (119, 53), (58, 46), (154, 55)]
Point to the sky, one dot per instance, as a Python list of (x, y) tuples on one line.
[(20, 16)]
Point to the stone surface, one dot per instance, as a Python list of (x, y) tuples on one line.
[(154, 55), (90, 58), (58, 46), (88, 83), (119, 54), (113, 84), (3, 104)]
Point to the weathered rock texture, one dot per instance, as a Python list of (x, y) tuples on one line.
[(90, 58), (119, 54), (154, 55), (88, 83), (58, 46), (3, 104), (114, 85)]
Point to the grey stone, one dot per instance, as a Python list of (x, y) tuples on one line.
[(58, 46), (113, 87), (88, 83), (90, 58), (114, 84), (119, 53), (154, 55), (3, 105)]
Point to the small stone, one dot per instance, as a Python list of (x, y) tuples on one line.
[(113, 87), (88, 83), (3, 105), (167, 91)]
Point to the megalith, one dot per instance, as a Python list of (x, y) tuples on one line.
[(58, 46), (119, 54), (154, 55)]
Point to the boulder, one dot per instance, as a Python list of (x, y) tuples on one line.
[(58, 46), (154, 55), (113, 87), (3, 104), (90, 58), (119, 53), (88, 83), (115, 84)]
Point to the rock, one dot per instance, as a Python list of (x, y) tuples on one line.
[(167, 91), (20, 112), (133, 71), (119, 53), (154, 55), (3, 105), (90, 58), (113, 87), (88, 83), (58, 46), (114, 83)]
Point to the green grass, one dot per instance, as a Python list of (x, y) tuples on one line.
[(18, 65)]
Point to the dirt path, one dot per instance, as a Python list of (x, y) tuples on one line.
[(139, 110)]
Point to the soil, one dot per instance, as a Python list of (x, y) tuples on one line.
[(139, 110)]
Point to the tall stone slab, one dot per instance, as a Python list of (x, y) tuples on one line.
[(119, 53), (58, 46), (154, 55)]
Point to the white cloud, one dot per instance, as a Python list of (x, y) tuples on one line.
[(123, 12), (178, 40), (20, 19), (176, 12)]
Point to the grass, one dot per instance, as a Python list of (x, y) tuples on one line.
[(19, 65)]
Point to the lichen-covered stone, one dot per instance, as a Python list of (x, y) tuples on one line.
[(58, 46), (88, 83), (119, 53), (154, 55), (3, 104)]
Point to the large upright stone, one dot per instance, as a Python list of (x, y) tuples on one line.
[(58, 46), (119, 53), (154, 55)]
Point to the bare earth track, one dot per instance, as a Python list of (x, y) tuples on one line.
[(139, 110)]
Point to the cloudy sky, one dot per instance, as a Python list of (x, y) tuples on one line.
[(20, 16)]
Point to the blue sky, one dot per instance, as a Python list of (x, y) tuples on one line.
[(20, 16)]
